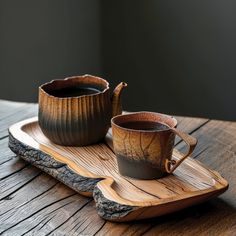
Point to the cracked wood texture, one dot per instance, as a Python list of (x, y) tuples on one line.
[(51, 208)]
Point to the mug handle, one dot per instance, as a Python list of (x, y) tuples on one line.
[(171, 165)]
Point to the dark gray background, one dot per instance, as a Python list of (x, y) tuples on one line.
[(178, 57)]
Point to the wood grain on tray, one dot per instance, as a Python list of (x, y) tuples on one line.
[(92, 171)]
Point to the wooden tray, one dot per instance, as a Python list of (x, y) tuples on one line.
[(92, 171)]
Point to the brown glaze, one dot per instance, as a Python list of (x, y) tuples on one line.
[(77, 120), (146, 154)]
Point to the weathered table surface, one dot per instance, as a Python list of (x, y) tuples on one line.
[(33, 203)]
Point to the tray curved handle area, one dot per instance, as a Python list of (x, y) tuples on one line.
[(92, 171)]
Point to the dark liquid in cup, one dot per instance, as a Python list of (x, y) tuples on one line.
[(73, 92), (144, 125)]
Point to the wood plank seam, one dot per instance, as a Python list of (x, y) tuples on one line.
[(71, 216), (12, 173), (28, 201), (47, 219), (3, 137), (100, 228), (2, 232), (6, 197)]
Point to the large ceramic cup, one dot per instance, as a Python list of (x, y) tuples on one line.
[(76, 111), (143, 143)]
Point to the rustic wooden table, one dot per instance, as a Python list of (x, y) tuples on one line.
[(33, 203)]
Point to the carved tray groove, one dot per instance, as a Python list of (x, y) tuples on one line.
[(92, 171)]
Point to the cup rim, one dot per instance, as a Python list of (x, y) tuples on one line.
[(76, 77), (113, 121)]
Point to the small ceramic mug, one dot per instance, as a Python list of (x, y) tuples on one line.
[(76, 111), (143, 143)]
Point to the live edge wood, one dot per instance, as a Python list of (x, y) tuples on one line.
[(92, 171)]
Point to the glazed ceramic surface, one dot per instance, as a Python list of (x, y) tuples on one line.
[(144, 150), (71, 120)]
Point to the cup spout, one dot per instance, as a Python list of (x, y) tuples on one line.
[(116, 99)]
